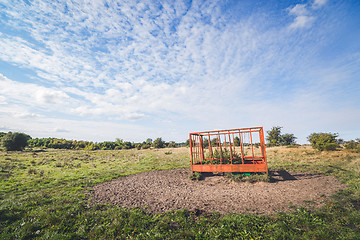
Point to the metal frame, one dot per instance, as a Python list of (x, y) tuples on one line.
[(215, 151)]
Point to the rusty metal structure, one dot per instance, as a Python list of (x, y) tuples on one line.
[(234, 150)]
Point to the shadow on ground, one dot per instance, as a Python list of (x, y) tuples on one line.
[(275, 175)]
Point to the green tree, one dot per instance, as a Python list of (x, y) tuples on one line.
[(323, 141), (144, 145), (237, 141), (128, 145), (214, 142), (287, 139), (158, 143), (91, 146), (274, 136), (205, 142), (15, 141), (171, 144)]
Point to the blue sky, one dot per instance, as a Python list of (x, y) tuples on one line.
[(106, 69)]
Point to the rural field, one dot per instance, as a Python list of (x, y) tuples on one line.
[(68, 194)]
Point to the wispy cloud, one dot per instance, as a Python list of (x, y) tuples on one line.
[(157, 64), (304, 14), (150, 55), (319, 3), (302, 22)]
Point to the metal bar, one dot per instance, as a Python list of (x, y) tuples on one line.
[(231, 130), (215, 134), (219, 142), (252, 147), (264, 153), (210, 149), (201, 148), (230, 168), (231, 155), (195, 147), (191, 152), (233, 140), (241, 147)]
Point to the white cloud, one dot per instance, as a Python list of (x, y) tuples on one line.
[(3, 100), (319, 3), (25, 115), (46, 96), (304, 14), (302, 22), (299, 10), (179, 70), (30, 94)]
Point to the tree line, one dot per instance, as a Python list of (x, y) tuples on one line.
[(18, 141)]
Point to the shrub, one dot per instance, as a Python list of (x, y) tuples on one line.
[(15, 141), (249, 177), (331, 146), (323, 141), (351, 145), (195, 176)]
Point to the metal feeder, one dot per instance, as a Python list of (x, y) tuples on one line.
[(235, 150)]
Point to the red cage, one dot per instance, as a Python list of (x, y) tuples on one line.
[(234, 150)]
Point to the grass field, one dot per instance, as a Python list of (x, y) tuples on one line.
[(43, 195)]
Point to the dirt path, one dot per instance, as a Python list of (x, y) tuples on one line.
[(161, 191)]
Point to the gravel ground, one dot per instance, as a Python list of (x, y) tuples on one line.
[(161, 191)]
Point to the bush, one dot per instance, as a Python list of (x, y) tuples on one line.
[(249, 177), (323, 141), (352, 145), (195, 176), (15, 141), (331, 146)]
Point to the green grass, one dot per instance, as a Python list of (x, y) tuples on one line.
[(44, 195)]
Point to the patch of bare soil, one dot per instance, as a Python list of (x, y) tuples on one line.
[(161, 191)]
